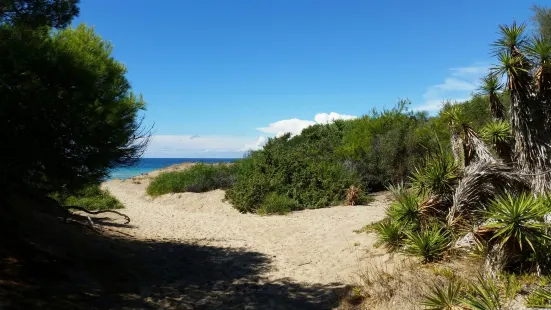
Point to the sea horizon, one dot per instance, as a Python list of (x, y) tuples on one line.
[(148, 164)]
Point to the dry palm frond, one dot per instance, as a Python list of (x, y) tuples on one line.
[(352, 196), (456, 121), (476, 149), (473, 148), (457, 148), (481, 183)]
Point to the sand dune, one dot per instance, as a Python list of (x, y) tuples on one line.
[(311, 246)]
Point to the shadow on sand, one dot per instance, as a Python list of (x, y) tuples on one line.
[(50, 265)]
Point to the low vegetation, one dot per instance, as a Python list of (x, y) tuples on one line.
[(91, 198), (337, 163), (197, 179)]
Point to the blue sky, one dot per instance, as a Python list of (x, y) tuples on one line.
[(221, 76)]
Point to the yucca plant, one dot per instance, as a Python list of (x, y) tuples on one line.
[(538, 51), (437, 177), (399, 191), (512, 38), (498, 135), (517, 222), (529, 92), (517, 227), (407, 212), (492, 86), (487, 293), (455, 119), (352, 196), (473, 149), (540, 298), (390, 233), (444, 297), (431, 243)]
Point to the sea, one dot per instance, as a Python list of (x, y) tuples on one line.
[(146, 165)]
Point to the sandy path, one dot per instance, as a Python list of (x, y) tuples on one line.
[(312, 246)]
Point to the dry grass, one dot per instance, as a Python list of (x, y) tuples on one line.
[(401, 283)]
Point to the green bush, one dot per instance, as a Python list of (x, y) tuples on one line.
[(91, 197), (384, 147), (317, 167), (303, 168), (198, 178), (276, 204)]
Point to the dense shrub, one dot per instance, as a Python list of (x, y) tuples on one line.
[(91, 197), (277, 204), (198, 178), (318, 167), (383, 147), (303, 168)]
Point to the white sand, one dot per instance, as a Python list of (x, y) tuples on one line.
[(312, 246)]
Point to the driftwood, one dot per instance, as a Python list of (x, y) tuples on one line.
[(90, 224), (98, 212)]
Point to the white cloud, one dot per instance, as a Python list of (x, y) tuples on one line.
[(467, 72), (257, 145), (197, 146), (456, 87), (436, 104), (295, 125), (324, 118)]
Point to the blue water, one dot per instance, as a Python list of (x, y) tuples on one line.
[(149, 164)]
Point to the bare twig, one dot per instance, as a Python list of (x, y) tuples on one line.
[(99, 212)]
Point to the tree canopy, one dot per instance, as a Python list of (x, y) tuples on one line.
[(35, 13), (67, 112), (542, 17)]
